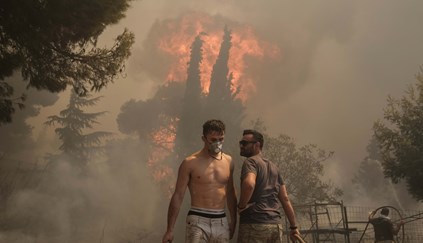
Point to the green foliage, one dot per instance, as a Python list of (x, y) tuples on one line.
[(76, 144), (301, 168), (7, 105), (400, 136), (54, 44)]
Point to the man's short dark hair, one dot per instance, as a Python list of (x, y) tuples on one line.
[(384, 211), (256, 135), (213, 126)]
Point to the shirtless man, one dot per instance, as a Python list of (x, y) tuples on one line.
[(208, 174)]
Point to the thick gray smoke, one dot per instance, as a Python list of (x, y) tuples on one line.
[(339, 61)]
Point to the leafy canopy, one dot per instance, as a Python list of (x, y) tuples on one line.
[(400, 135), (54, 44), (301, 167)]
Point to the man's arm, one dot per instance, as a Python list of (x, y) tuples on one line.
[(176, 201), (397, 227), (231, 199), (289, 211), (371, 215), (247, 188)]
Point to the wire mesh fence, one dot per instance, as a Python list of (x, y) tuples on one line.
[(337, 223)]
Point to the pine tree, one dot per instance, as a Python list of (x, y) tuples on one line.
[(77, 145), (53, 43)]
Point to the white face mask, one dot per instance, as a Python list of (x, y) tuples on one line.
[(216, 147)]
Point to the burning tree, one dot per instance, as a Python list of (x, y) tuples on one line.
[(192, 103), (222, 102), (219, 103), (155, 126), (169, 42), (220, 83), (172, 131)]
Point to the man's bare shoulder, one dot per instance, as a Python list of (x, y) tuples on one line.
[(227, 157), (192, 158), (199, 156), (229, 160)]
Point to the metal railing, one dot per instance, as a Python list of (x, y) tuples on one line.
[(333, 222)]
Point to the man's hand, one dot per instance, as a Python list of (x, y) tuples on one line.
[(399, 225), (168, 237), (371, 214), (292, 234), (246, 207)]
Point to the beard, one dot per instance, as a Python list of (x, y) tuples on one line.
[(246, 153)]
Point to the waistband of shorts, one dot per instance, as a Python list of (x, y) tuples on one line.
[(207, 215)]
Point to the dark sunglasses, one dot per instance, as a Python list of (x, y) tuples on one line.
[(245, 142)]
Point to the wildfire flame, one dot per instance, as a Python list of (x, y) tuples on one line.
[(163, 140), (245, 42), (175, 38)]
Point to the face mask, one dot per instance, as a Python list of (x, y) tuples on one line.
[(216, 147)]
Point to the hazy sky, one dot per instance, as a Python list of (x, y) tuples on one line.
[(339, 61)]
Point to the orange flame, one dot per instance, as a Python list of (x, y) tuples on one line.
[(244, 43), (163, 140), (175, 40)]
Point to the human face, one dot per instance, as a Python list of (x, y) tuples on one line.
[(248, 146), (214, 141)]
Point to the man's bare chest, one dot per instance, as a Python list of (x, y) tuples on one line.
[(212, 173)]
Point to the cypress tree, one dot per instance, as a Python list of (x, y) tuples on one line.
[(220, 84), (221, 101), (187, 138)]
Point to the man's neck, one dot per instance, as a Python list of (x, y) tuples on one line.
[(258, 153), (205, 151)]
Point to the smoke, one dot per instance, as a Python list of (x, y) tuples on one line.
[(16, 139), (338, 62), (116, 202)]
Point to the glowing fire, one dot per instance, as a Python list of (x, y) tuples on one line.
[(181, 33), (175, 38), (163, 140)]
